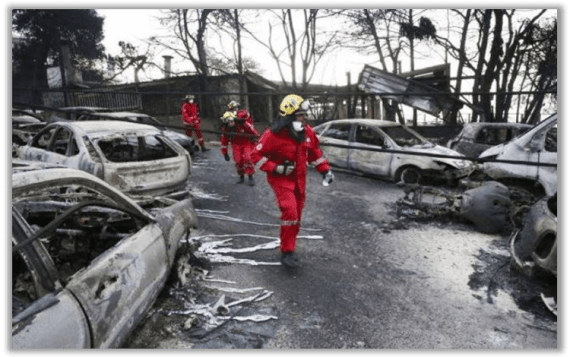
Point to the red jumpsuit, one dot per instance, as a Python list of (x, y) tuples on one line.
[(241, 136), (274, 148), (191, 119)]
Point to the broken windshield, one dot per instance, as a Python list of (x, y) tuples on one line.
[(404, 136), (130, 148)]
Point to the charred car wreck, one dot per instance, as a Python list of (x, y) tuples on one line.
[(489, 207), (534, 248), (87, 261), (535, 157), (390, 150), (135, 158)]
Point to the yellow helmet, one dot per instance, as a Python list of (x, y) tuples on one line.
[(228, 116), (290, 104)]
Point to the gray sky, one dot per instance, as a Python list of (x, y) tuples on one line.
[(135, 25)]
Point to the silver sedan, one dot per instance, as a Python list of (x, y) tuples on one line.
[(389, 150)]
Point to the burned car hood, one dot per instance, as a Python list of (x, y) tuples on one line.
[(430, 148)]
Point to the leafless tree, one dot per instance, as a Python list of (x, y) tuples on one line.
[(380, 27), (299, 42), (132, 57), (188, 40), (231, 22), (500, 62)]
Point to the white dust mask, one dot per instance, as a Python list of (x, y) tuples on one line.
[(297, 125)]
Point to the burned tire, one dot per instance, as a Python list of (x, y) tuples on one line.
[(409, 175)]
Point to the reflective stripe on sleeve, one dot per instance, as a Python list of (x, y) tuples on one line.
[(261, 162), (319, 161), (289, 223)]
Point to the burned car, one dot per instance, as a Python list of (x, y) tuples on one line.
[(25, 124), (533, 159), (135, 158), (25, 116), (534, 247), (379, 148), (74, 113), (183, 140), (475, 138), (87, 261)]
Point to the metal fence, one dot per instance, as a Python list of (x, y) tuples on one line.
[(77, 98)]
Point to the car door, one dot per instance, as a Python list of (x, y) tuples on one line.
[(44, 316), (119, 285), (365, 154), (336, 134)]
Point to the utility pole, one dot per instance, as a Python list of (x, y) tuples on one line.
[(63, 56), (415, 118)]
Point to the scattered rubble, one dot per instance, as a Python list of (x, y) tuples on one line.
[(496, 209), (491, 207)]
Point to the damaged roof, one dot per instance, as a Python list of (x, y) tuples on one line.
[(94, 127)]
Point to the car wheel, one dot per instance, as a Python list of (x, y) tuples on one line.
[(409, 175)]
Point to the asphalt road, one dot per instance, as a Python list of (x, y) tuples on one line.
[(368, 279)]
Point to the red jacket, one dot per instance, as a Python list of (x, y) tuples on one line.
[(190, 114), (241, 133), (275, 148)]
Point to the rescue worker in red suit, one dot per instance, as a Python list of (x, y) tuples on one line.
[(191, 119), (238, 130), (284, 152)]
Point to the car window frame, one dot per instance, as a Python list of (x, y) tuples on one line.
[(34, 143), (413, 133), (349, 133), (54, 224), (374, 128), (38, 262), (71, 142)]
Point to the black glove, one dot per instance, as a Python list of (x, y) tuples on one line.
[(227, 157)]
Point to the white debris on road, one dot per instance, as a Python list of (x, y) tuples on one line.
[(219, 312), (214, 250)]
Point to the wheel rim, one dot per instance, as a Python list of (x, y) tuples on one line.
[(410, 175)]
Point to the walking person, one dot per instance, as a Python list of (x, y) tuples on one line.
[(238, 131), (284, 152), (191, 119)]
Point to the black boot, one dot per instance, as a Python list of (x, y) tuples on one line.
[(204, 148), (241, 179), (290, 260), (251, 182)]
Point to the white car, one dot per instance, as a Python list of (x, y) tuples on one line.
[(136, 158), (538, 145), (390, 150), (87, 261)]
